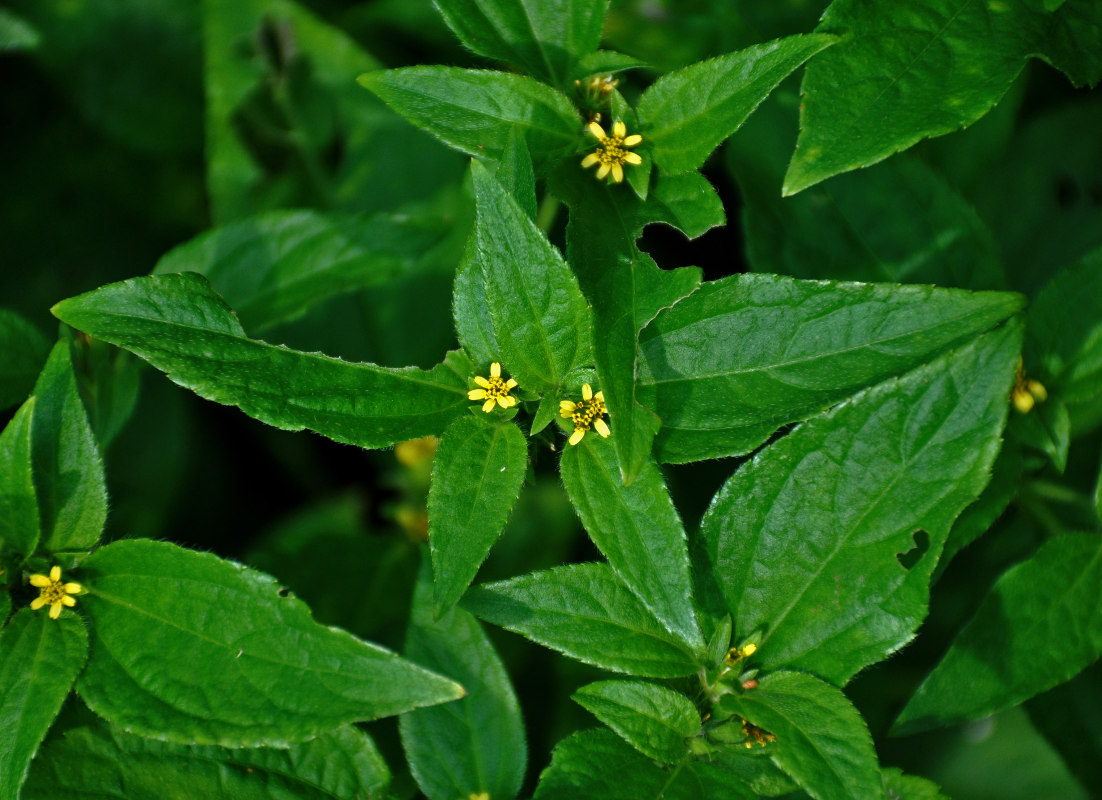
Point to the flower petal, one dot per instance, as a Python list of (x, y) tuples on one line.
[(600, 396), (488, 406), (601, 427), (577, 435), (590, 160), (476, 394), (69, 601), (41, 581), (632, 140), (55, 573), (73, 588), (55, 610), (566, 407), (633, 158), (510, 384), (619, 129), (37, 603), (602, 171), (596, 130), (483, 382), (587, 392), (617, 173), (495, 370)]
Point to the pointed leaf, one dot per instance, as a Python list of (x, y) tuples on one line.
[(23, 351), (476, 477), (515, 172), (654, 720), (271, 675), (181, 326), (39, 660), (819, 574), (473, 326), (585, 612), (19, 527), (800, 346)]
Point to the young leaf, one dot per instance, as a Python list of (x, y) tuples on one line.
[(271, 675), (742, 356), (821, 740), (1038, 627), (275, 266), (543, 37), (819, 574), (686, 114), (637, 529), (654, 720), (476, 477), (19, 526), (541, 320), (39, 660), (584, 611), (475, 744), (181, 326), (23, 351), (473, 110), (68, 469)]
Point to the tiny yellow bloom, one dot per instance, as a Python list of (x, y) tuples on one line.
[(736, 654), (756, 736), (612, 152), (1026, 392), (494, 390), (585, 415), (53, 592)]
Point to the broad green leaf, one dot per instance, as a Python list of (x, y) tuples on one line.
[(476, 477), (275, 266), (473, 111), (16, 33), (637, 529), (586, 612), (541, 320), (543, 37), (744, 355), (821, 740), (903, 458), (39, 660), (182, 327), (270, 676), (96, 761), (475, 744), (473, 326), (1039, 626), (686, 114), (19, 526), (516, 173), (901, 75), (68, 469), (654, 720), (23, 351), (898, 786), (604, 62), (1067, 716)]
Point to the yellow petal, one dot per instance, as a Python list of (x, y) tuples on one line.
[(566, 407), (503, 400), (596, 130), (510, 384), (41, 581), (37, 603), (69, 601), (632, 140), (633, 158), (55, 573), (600, 396), (590, 160), (495, 370), (483, 382), (617, 173), (601, 427), (488, 406), (587, 392), (55, 610), (73, 588), (510, 401), (577, 435), (619, 129), (476, 394), (602, 171)]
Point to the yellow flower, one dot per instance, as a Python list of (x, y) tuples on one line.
[(611, 152), (494, 390), (1026, 392), (736, 654), (756, 736), (586, 414), (53, 592)]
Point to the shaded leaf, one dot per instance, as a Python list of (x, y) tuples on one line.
[(19, 526), (898, 786), (16, 33), (654, 720), (1067, 716), (23, 351)]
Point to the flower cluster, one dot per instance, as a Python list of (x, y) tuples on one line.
[(494, 390), (53, 592), (586, 415), (612, 152), (1026, 392)]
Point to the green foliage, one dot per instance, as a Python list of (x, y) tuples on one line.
[(654, 720), (23, 351), (19, 527)]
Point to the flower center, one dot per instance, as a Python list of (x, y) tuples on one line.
[(612, 150), (54, 593), (496, 389), (585, 412)]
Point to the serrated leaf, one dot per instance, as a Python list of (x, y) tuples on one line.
[(275, 266), (898, 786), (821, 740), (686, 114), (516, 174), (586, 612), (654, 720), (68, 469), (731, 363), (477, 743), (818, 575), (19, 526), (541, 320), (181, 326), (1038, 627), (473, 326), (39, 660), (637, 529), (476, 477), (473, 111), (271, 675), (23, 351)]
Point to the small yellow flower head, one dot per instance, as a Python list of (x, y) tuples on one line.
[(736, 654), (494, 390), (585, 415), (53, 592), (756, 736), (1026, 392), (612, 152)]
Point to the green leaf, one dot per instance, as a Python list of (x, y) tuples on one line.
[(584, 611), (96, 761), (16, 33), (800, 346), (39, 660), (637, 529), (19, 526), (903, 458), (898, 77), (541, 320), (1068, 719), (23, 351), (654, 720), (68, 469), (1047, 428), (515, 172), (271, 675), (475, 744), (686, 114), (181, 326), (1038, 627), (476, 478), (898, 786), (604, 62), (822, 742), (543, 37), (275, 266), (5, 606), (473, 111), (473, 326)]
